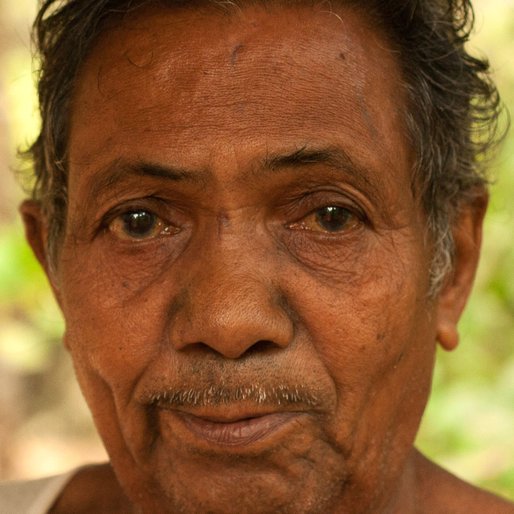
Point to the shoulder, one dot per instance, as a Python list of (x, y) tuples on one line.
[(93, 490), (32, 496), (444, 493)]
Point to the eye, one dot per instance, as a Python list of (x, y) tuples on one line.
[(139, 225), (328, 219)]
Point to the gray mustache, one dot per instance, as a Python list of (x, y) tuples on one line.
[(218, 395)]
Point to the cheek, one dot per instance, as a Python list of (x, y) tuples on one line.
[(376, 341), (374, 334), (361, 336), (113, 328), (113, 334)]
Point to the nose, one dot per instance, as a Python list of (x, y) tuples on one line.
[(231, 307)]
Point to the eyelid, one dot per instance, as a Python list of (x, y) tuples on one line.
[(311, 198), (147, 203)]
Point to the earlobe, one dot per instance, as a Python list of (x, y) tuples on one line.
[(448, 335), (467, 236), (36, 233)]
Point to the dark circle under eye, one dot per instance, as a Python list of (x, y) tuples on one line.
[(139, 224), (333, 219)]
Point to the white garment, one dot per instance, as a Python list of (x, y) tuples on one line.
[(32, 496)]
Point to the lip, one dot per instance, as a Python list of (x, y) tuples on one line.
[(234, 431)]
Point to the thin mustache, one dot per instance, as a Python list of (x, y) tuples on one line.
[(280, 395)]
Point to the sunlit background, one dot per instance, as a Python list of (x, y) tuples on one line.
[(45, 426)]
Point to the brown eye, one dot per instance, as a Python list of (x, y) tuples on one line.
[(329, 219), (333, 219), (139, 225)]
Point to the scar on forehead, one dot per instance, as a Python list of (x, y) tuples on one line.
[(139, 59), (236, 50)]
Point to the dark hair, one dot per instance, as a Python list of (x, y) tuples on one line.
[(452, 117)]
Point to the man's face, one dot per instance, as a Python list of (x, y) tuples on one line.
[(244, 272)]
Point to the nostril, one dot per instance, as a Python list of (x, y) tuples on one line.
[(258, 347), (262, 347), (200, 348)]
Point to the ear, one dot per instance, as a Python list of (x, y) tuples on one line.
[(467, 236), (36, 233)]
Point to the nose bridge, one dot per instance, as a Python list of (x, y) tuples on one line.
[(232, 301)]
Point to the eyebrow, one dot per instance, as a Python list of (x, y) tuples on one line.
[(334, 157), (306, 156), (119, 170)]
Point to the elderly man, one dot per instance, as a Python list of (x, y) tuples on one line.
[(258, 218)]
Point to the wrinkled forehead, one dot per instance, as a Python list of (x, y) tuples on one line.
[(263, 72), (157, 33), (198, 40)]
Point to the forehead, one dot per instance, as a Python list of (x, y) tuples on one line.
[(187, 84)]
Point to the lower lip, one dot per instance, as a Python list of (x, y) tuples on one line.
[(236, 433)]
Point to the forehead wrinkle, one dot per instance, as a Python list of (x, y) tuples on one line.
[(173, 66), (152, 49)]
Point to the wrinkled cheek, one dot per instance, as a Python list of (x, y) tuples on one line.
[(375, 344), (100, 346), (124, 429), (108, 364), (382, 391), (108, 330)]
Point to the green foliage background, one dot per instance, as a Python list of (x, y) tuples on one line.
[(469, 423)]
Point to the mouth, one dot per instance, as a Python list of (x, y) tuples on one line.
[(227, 429), (246, 420), (235, 431)]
